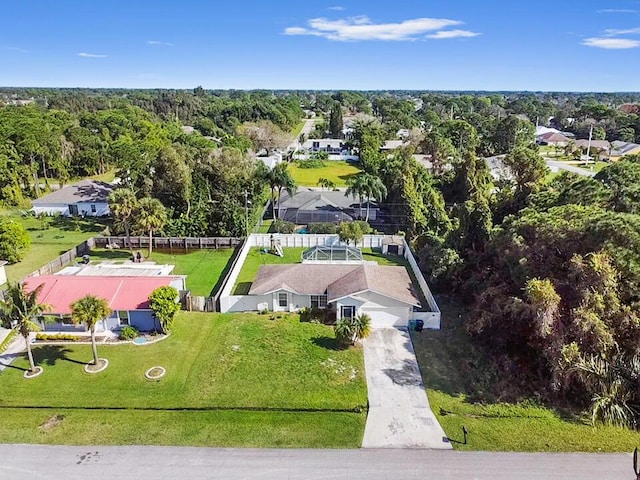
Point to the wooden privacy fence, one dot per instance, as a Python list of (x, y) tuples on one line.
[(168, 243)]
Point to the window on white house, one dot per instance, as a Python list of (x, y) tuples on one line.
[(93, 209), (283, 299), (348, 312), (66, 320), (318, 301), (123, 316)]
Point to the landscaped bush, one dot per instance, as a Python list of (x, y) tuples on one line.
[(323, 228), (128, 333), (317, 315), (281, 226), (58, 337), (311, 163)]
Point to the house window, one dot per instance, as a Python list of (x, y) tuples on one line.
[(348, 312), (66, 320), (283, 299), (123, 317), (93, 209), (318, 301)]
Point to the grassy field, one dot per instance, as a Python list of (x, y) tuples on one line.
[(336, 171), (204, 268), (257, 257), (50, 237), (234, 363), (459, 380)]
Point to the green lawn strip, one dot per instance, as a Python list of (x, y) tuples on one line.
[(264, 227), (212, 361), (50, 237), (182, 428), (336, 171), (204, 268), (459, 381), (298, 129), (524, 428)]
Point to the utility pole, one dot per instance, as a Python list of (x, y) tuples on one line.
[(246, 211)]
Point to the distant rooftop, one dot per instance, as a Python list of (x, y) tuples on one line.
[(86, 191)]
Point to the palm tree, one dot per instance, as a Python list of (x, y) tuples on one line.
[(89, 310), (356, 188), (280, 179), (18, 309), (123, 205), (373, 188), (326, 183), (152, 216), (353, 329)]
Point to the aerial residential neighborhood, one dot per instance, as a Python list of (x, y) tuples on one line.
[(347, 240)]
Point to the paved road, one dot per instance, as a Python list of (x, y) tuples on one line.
[(36, 462), (399, 413), (13, 351), (554, 165)]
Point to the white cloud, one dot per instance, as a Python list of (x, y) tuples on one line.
[(611, 43), (446, 34), (614, 32), (92, 55), (158, 42), (617, 10), (17, 49), (337, 8), (362, 28)]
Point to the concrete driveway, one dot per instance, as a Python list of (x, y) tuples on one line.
[(399, 412)]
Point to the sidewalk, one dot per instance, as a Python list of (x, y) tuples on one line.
[(12, 352)]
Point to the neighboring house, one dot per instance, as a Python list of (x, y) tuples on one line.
[(272, 160), (620, 149), (128, 298), (329, 145), (87, 198), (553, 139), (386, 293), (313, 206), (600, 147)]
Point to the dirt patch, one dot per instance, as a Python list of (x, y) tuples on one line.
[(52, 422), (100, 366)]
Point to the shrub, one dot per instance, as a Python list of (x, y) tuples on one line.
[(14, 240), (281, 226), (128, 333), (164, 303), (58, 337), (329, 228)]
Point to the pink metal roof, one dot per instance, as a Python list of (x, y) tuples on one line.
[(122, 293)]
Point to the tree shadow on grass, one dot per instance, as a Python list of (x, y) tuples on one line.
[(51, 354), (328, 343)]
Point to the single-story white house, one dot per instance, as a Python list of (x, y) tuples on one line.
[(385, 293), (86, 198)]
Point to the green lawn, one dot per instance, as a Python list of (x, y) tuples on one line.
[(204, 268), (264, 227), (336, 171), (50, 237), (257, 257), (235, 363), (459, 382)]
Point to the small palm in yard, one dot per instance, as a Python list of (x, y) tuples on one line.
[(89, 310), (18, 309), (350, 330)]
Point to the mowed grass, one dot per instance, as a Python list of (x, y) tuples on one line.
[(204, 268), (232, 380), (459, 380), (221, 428), (336, 171), (50, 237), (240, 361), (257, 258)]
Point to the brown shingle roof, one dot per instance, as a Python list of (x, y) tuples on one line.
[(337, 281)]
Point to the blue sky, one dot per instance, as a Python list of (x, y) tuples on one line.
[(567, 45)]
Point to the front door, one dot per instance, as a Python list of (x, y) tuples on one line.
[(347, 312)]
